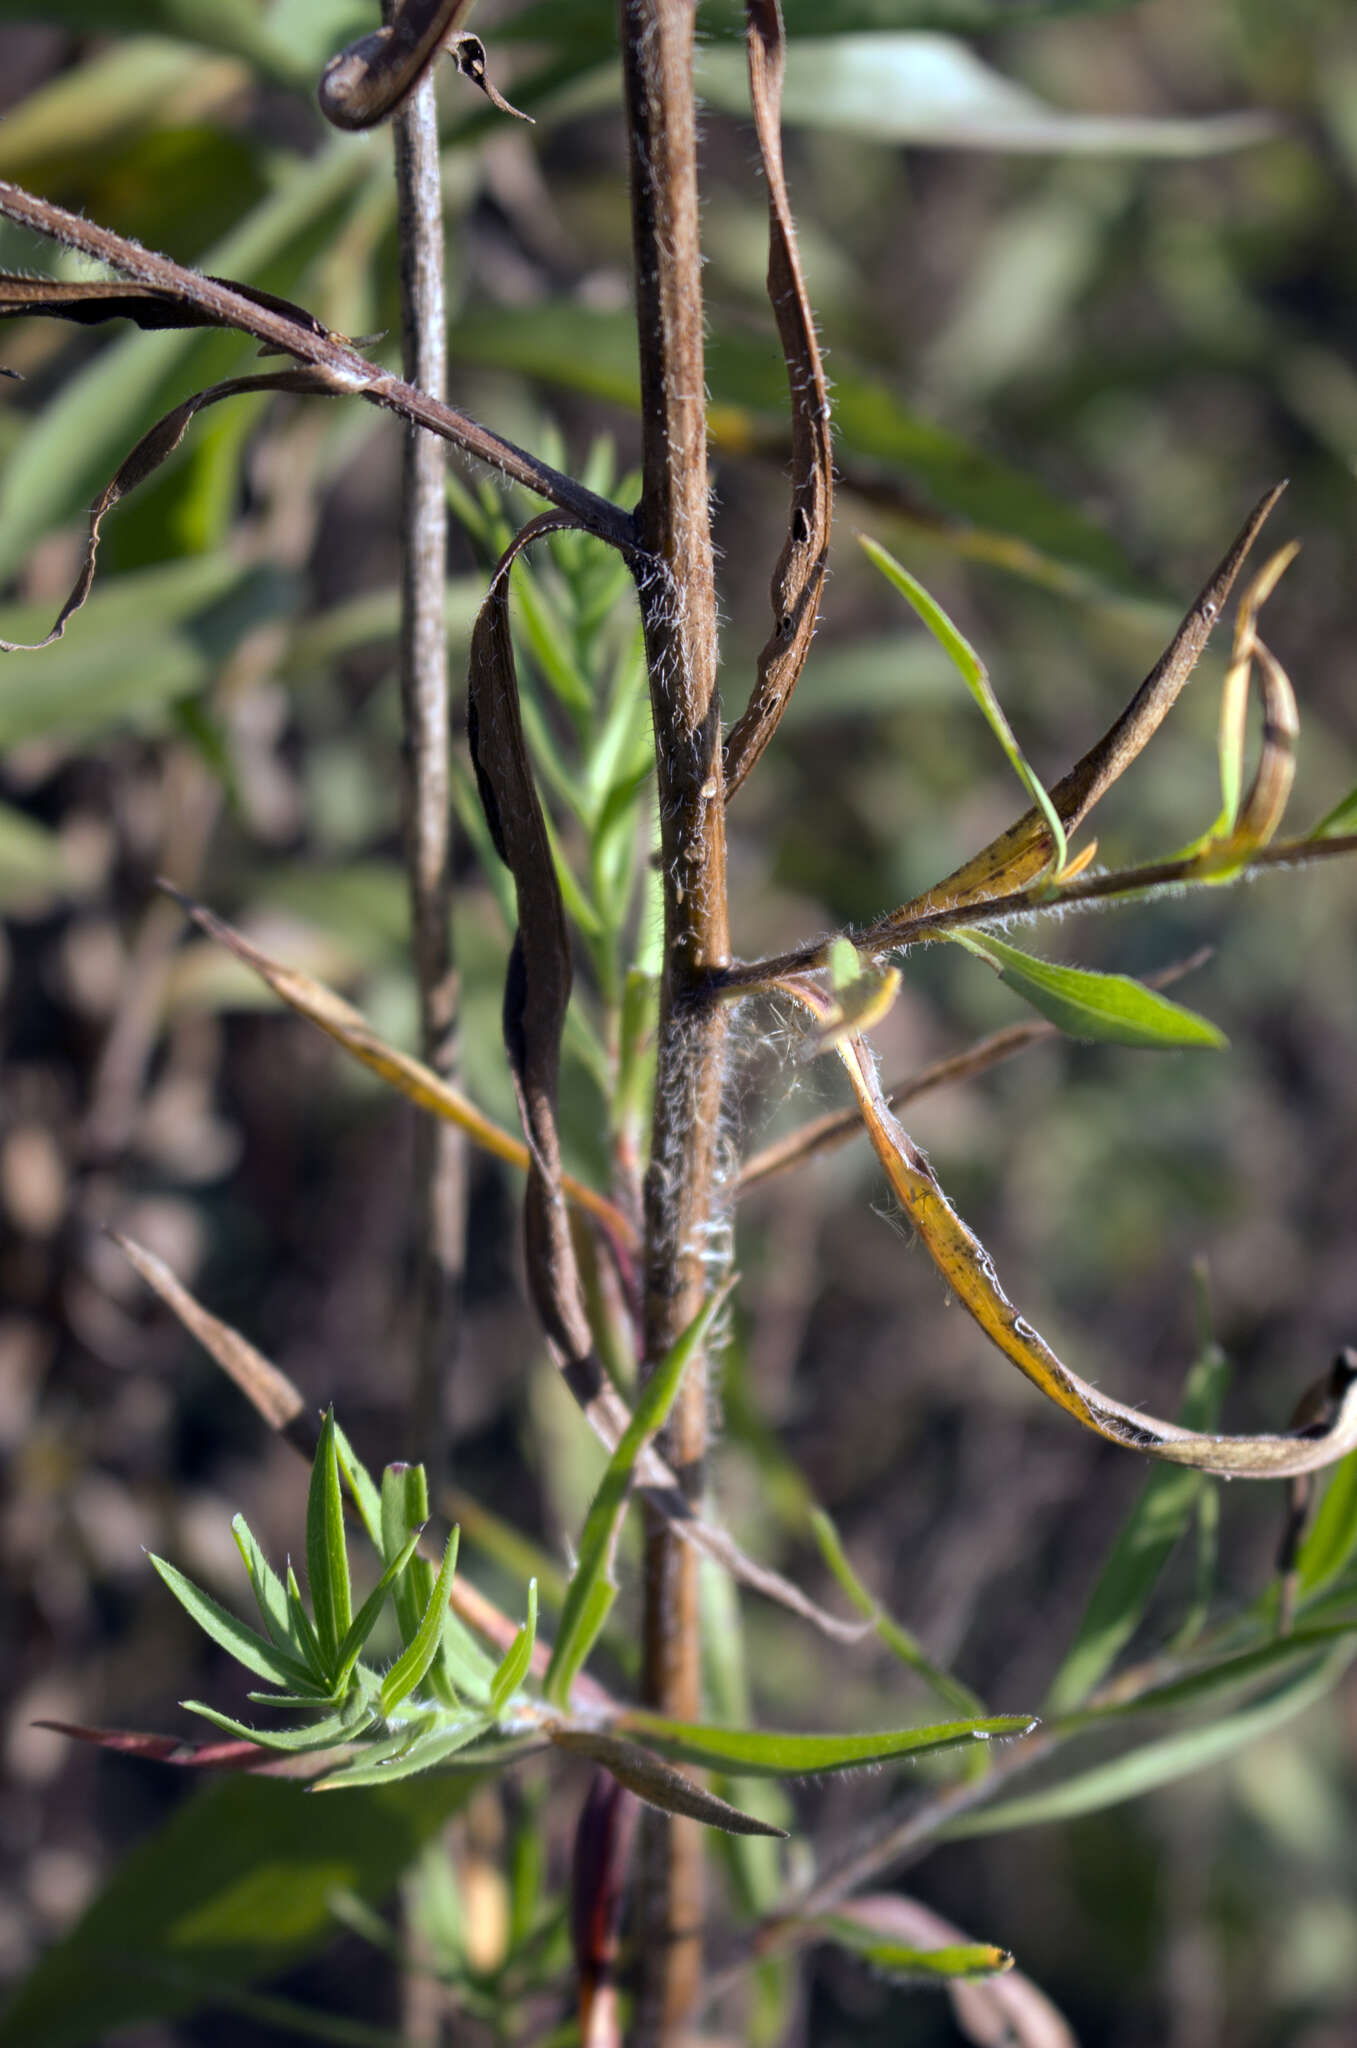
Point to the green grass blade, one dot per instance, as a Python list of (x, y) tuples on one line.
[(976, 678), (590, 1592), (1111, 1008), (899, 1959), (1332, 1540)]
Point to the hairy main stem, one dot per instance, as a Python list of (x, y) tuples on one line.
[(440, 1148), (678, 605)]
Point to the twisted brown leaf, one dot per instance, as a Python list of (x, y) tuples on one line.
[(151, 450), (969, 1271), (374, 77), (800, 572), (1021, 853), (537, 992)]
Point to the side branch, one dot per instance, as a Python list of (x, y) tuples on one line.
[(283, 331)]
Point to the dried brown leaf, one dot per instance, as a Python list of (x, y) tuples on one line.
[(1021, 853), (152, 449), (968, 1270), (800, 572)]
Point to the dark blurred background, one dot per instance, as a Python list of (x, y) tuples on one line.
[(1071, 367)]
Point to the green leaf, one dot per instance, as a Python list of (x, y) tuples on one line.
[(364, 1493), (433, 1747), (327, 1553), (976, 678), (1107, 1007), (1341, 819), (234, 1888), (323, 1734), (1154, 1764), (404, 1510), (1141, 1550), (249, 1648), (931, 89), (1332, 1540), (366, 1618), (897, 1639), (899, 1959), (769, 1753), (517, 1658), (590, 1592), (411, 1666), (303, 1629), (269, 1590)]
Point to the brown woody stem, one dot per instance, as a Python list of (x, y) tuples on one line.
[(677, 592)]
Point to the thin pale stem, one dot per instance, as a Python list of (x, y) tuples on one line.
[(440, 1148), (677, 592)]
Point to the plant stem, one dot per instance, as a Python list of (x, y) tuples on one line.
[(676, 583), (440, 1148)]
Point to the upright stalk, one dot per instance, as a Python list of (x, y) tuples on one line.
[(440, 1148), (678, 606)]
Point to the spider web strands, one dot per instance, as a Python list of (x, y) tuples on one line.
[(968, 1270)]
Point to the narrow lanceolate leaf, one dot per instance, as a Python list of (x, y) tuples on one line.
[(517, 1659), (269, 1590), (765, 1752), (327, 1553), (657, 1783), (249, 1648), (1022, 853), (799, 574), (410, 1667), (1332, 1541), (418, 1083), (404, 1511), (896, 1958), (589, 1595), (1340, 820), (1146, 1768), (968, 1270), (153, 449), (976, 678), (998, 2007), (1084, 1004), (433, 1747), (897, 1639), (1142, 1548), (304, 1628), (362, 1489), (366, 1618), (323, 1734)]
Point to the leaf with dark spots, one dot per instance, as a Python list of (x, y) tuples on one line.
[(800, 572), (152, 449)]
